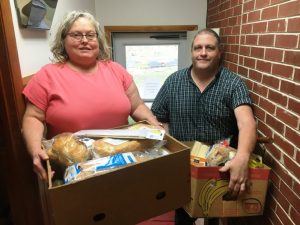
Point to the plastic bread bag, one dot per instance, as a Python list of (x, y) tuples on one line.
[(110, 146), (66, 149), (83, 170), (219, 153), (156, 151)]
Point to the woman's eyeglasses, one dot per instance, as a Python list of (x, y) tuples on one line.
[(79, 36)]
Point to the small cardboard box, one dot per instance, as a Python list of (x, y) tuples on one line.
[(128, 195), (209, 188)]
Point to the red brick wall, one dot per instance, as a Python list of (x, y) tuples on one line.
[(262, 43)]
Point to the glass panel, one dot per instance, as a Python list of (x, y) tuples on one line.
[(150, 65)]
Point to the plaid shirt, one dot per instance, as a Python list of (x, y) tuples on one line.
[(206, 116)]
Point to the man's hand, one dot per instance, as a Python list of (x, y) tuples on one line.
[(238, 168)]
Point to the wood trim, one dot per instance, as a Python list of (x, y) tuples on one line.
[(164, 28), (23, 191)]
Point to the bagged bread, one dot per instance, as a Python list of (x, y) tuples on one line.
[(218, 155), (109, 146), (67, 149)]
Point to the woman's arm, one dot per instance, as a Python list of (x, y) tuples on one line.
[(33, 130)]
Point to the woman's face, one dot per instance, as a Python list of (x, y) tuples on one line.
[(82, 49)]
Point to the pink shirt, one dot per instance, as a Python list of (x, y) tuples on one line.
[(73, 101)]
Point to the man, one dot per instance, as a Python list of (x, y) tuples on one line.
[(208, 103)]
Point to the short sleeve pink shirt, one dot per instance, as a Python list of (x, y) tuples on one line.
[(73, 101)]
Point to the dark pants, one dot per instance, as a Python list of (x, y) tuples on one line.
[(183, 218)]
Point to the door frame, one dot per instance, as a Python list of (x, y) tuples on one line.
[(21, 182)]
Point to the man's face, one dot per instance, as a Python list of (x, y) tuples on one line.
[(206, 54)]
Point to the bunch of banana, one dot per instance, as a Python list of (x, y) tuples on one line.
[(210, 191)]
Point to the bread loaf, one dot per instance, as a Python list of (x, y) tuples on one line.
[(67, 150), (106, 146)]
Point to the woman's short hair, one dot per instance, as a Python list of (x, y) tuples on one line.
[(57, 47)]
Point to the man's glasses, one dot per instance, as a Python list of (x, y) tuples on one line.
[(79, 36)]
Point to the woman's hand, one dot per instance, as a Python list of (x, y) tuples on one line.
[(39, 158)]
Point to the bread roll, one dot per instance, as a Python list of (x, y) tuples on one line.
[(105, 146), (67, 150)]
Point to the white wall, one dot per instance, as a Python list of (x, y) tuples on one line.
[(154, 12), (33, 45)]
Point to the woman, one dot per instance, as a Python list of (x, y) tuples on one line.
[(82, 89)]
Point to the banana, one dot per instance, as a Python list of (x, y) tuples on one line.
[(220, 189), (211, 190), (203, 193)]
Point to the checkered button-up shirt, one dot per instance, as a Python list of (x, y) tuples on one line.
[(206, 116)]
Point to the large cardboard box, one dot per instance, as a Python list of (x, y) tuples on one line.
[(128, 195), (209, 188)]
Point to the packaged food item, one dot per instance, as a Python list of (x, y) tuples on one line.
[(109, 146), (89, 168), (68, 149)]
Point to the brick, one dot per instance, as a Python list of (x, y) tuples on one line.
[(248, 6), (261, 3), (291, 8), (267, 105), (275, 180), (296, 185), (293, 167), (243, 71), (236, 30), (292, 57), (293, 25), (270, 81), (287, 118), (279, 197), (290, 88), (260, 114), (260, 27), (282, 70), (273, 2), (251, 39), (269, 13), (245, 50), (297, 75), (229, 12), (260, 90), (293, 136), (277, 26), (263, 66), (264, 129), (266, 40), (284, 145), (255, 75), (283, 215), (257, 52), (278, 98), (237, 10), (274, 55), (294, 105), (234, 3), (246, 29), (249, 62), (253, 16), (253, 97), (295, 215), (286, 41), (274, 123)]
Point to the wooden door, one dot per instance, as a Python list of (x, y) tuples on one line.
[(19, 186)]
